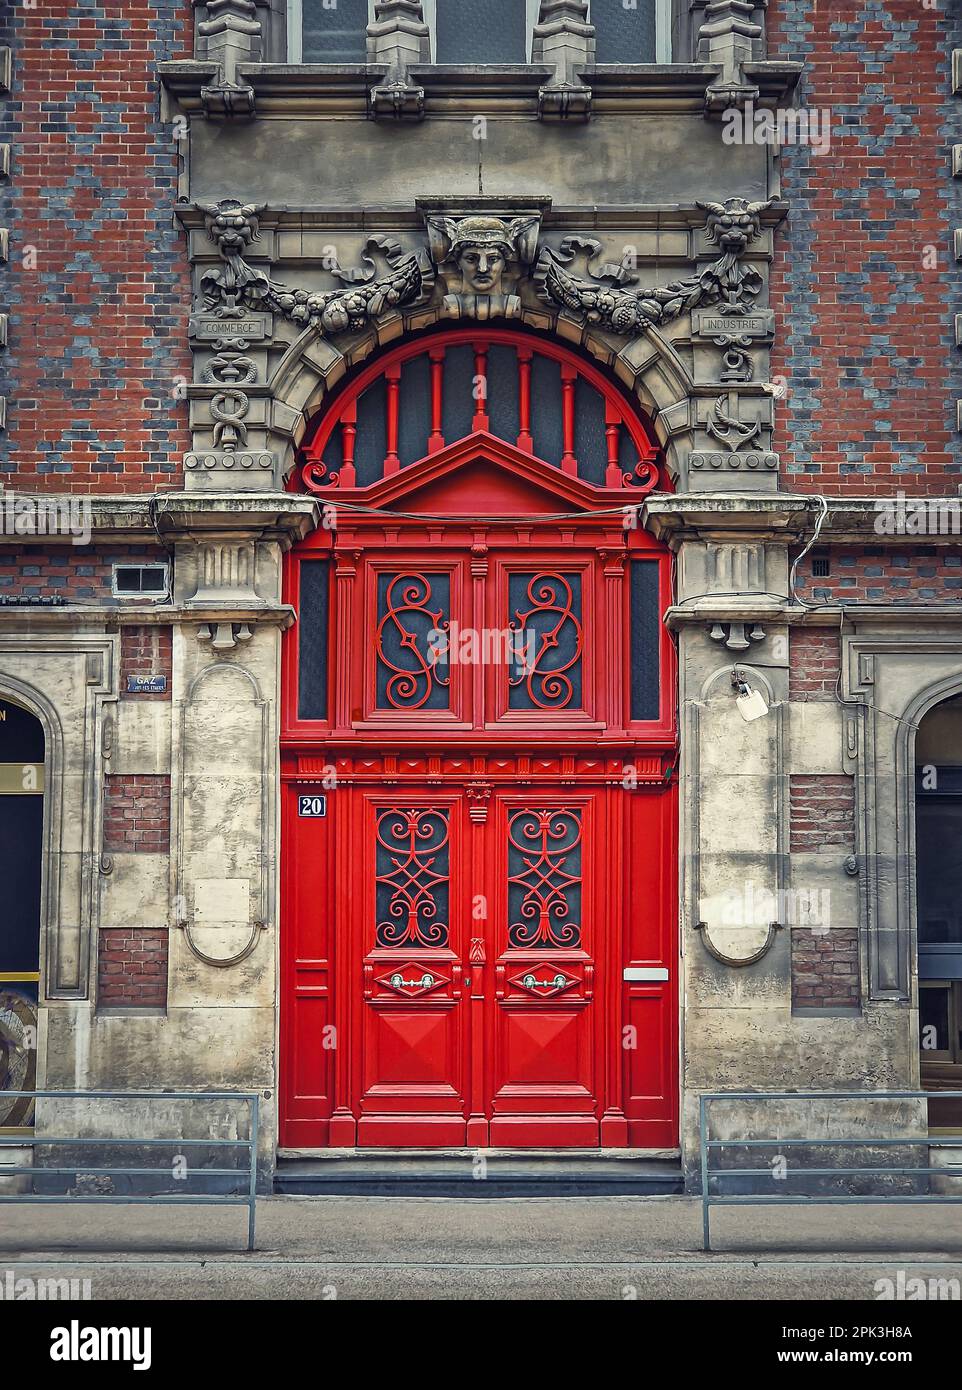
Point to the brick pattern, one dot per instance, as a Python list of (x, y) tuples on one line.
[(137, 813), (825, 969), (132, 967), (863, 280), (875, 574), (146, 651), (98, 282), (822, 811), (814, 664), (74, 573)]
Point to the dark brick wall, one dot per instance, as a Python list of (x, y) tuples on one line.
[(825, 969), (910, 574), (74, 573), (98, 283), (146, 651), (822, 811), (132, 967), (814, 664), (137, 813), (865, 338)]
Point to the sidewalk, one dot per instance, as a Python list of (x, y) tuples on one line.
[(523, 1248)]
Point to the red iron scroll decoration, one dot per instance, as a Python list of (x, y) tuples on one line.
[(544, 878), (412, 877), (546, 650), (410, 686)]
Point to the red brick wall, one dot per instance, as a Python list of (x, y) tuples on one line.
[(98, 281), (137, 813), (814, 663), (825, 969), (146, 651), (74, 573), (132, 967), (876, 574), (822, 811), (864, 284)]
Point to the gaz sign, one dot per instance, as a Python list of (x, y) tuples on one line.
[(311, 806)]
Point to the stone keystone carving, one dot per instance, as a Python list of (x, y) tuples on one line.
[(237, 287), (604, 297), (481, 259)]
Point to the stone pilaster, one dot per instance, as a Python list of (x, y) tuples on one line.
[(731, 37), (232, 31), (397, 38), (563, 39)]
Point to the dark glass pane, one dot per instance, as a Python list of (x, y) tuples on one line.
[(371, 443), (645, 640), (503, 402), (337, 35), (21, 832), (414, 422), (413, 615), (545, 671), (544, 879), (623, 35), (546, 426), (412, 866), (938, 835), (934, 1009), (458, 394), (21, 735), (312, 640), (18, 1050), (482, 31), (590, 445)]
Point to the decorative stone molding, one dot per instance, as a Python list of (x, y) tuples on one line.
[(224, 637), (730, 37), (732, 226), (563, 39), (233, 34), (737, 637), (483, 258), (397, 38)]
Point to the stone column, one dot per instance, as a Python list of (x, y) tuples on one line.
[(563, 39), (731, 37), (397, 38), (232, 32)]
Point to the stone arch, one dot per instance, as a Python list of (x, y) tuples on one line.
[(649, 367)]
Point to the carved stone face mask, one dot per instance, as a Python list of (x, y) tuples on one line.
[(481, 268)]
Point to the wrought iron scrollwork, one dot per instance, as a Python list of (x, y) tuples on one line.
[(544, 878), (411, 641), (548, 643), (412, 868)]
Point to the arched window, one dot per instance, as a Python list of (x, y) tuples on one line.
[(938, 858), (21, 832), (537, 396)]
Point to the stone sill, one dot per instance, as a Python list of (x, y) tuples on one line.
[(171, 516), (780, 516), (287, 89)]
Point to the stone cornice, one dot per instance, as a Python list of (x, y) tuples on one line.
[(108, 618), (282, 89), (781, 516), (171, 516)]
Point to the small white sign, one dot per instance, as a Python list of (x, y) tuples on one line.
[(645, 972)]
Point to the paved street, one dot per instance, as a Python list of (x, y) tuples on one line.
[(397, 1249)]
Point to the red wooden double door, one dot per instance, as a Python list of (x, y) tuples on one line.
[(478, 843)]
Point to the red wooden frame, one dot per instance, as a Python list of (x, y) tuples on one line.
[(490, 1051)]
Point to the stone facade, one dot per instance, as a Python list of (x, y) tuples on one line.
[(281, 225)]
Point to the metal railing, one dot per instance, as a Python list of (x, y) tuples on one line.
[(247, 1174), (708, 1145)]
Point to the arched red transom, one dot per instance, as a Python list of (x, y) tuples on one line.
[(430, 393)]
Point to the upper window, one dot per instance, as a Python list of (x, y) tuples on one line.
[(479, 31)]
